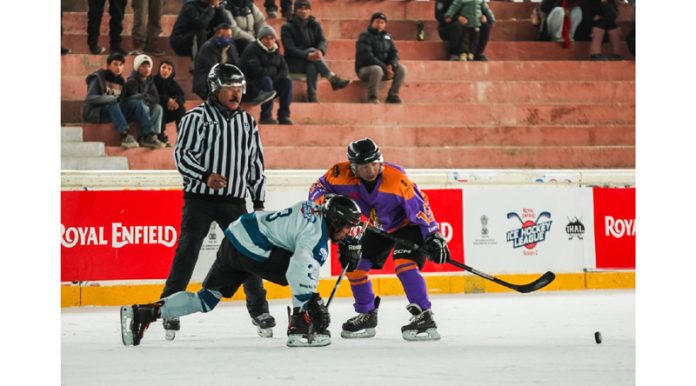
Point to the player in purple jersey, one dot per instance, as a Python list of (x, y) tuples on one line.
[(393, 203)]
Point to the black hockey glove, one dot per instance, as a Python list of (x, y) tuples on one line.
[(436, 249), (318, 313), (349, 253)]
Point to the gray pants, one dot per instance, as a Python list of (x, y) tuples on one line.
[(373, 75), (147, 22), (554, 22)]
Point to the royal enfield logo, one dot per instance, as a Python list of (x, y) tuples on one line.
[(485, 233), (619, 227), (120, 236), (532, 230), (575, 228)]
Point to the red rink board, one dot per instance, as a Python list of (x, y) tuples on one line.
[(614, 224)]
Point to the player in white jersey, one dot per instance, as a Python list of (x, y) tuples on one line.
[(286, 247)]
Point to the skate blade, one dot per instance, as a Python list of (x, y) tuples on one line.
[(126, 318), (169, 334), (319, 340), (264, 332), (414, 336), (366, 333)]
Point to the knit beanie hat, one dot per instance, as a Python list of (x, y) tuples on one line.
[(302, 4), (265, 31), (139, 60), (378, 15)]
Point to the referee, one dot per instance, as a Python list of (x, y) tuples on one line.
[(218, 152)]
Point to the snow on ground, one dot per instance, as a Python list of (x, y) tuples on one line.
[(487, 339)]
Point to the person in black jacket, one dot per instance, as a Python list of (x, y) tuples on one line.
[(171, 96), (305, 48), (194, 25), (377, 59), (140, 85), (267, 70)]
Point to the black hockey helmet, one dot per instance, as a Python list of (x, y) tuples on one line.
[(341, 211), (364, 151), (225, 75)]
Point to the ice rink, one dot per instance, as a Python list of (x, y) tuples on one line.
[(487, 339)]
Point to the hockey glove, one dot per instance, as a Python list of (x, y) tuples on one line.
[(318, 313), (349, 253), (436, 249)]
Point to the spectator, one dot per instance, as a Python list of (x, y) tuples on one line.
[(105, 102), (272, 9), (246, 20), (266, 70), (377, 59), (171, 95), (145, 32), (305, 47), (452, 32), (556, 13), (218, 49), (194, 25), (141, 86), (95, 11), (471, 15), (631, 36), (604, 14)]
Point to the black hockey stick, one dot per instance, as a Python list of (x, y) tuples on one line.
[(537, 284)]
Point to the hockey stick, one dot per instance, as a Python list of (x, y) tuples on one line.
[(537, 284), (338, 281)]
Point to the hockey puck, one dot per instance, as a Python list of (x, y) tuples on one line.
[(598, 337)]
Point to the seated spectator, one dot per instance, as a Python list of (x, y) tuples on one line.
[(266, 70), (141, 86), (246, 20), (194, 25), (471, 14), (95, 11), (218, 49), (556, 14), (604, 14), (272, 9), (105, 102), (171, 96), (305, 47), (147, 26), (453, 32), (377, 59)]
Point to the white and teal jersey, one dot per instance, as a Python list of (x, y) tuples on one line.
[(300, 229)]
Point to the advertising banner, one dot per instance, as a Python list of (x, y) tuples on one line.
[(615, 227), (528, 229)]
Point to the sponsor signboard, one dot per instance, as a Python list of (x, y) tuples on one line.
[(615, 227)]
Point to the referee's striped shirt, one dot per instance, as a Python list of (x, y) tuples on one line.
[(210, 143)]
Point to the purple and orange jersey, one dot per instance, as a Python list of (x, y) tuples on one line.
[(394, 202)]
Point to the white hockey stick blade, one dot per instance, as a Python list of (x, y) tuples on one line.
[(414, 336), (298, 340), (126, 318), (364, 333)]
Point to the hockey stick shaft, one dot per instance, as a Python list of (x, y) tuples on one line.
[(539, 283), (338, 281)]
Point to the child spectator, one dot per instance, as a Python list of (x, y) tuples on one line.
[(452, 32), (604, 14), (556, 12), (471, 14), (171, 96), (141, 86)]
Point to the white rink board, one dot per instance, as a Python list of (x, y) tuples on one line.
[(485, 241)]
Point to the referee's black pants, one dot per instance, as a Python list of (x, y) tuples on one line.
[(196, 217)]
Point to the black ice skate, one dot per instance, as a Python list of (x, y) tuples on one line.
[(363, 325), (264, 324), (299, 334), (422, 326), (171, 326), (136, 319)]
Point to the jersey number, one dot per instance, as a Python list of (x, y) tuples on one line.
[(275, 215)]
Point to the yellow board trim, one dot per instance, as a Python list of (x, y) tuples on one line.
[(114, 295)]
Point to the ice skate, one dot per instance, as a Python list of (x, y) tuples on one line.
[(135, 320), (299, 334), (422, 325), (362, 325), (171, 326), (264, 324)]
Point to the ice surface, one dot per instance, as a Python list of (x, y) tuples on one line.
[(487, 339)]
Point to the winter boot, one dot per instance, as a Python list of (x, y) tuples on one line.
[(337, 83), (362, 325), (299, 334), (136, 319), (422, 325), (264, 324), (171, 326)]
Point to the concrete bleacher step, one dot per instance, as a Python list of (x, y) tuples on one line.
[(502, 114), (425, 135), (94, 163), (310, 157), (79, 155), (75, 88), (81, 65), (71, 134), (82, 149)]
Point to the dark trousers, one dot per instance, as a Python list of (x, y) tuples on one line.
[(95, 10), (189, 43), (283, 88), (172, 116), (285, 5), (195, 223), (453, 33)]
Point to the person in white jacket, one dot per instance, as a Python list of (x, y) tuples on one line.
[(246, 20)]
